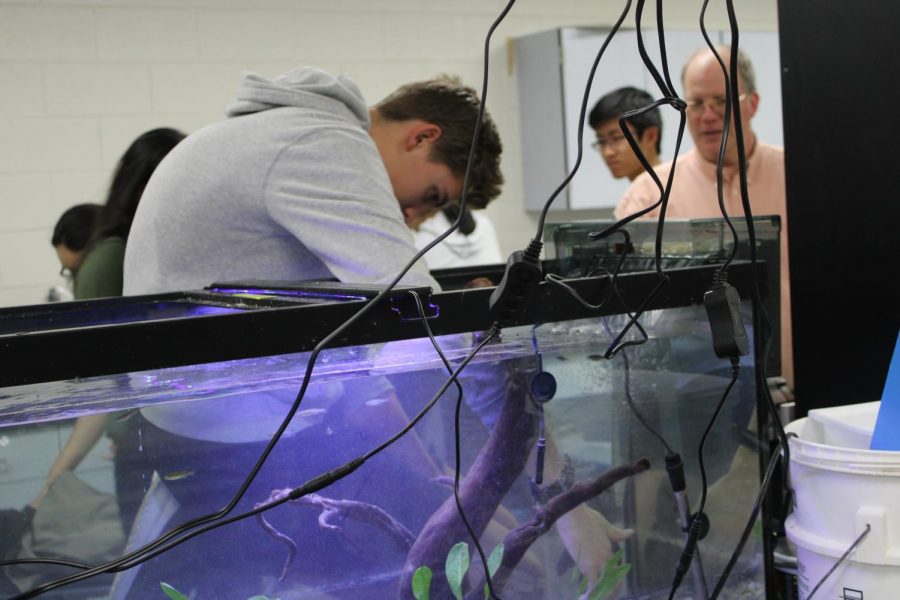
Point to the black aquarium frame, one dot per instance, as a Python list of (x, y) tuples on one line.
[(70, 340)]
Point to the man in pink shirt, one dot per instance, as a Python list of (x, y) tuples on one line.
[(693, 194)]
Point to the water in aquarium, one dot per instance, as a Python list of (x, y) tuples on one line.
[(558, 446)]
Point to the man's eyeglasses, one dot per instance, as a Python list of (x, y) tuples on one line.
[(612, 141), (715, 104)]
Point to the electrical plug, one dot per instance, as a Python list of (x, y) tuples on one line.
[(520, 282)]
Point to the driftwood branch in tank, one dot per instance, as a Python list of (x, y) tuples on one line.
[(518, 541), (496, 467), (332, 509)]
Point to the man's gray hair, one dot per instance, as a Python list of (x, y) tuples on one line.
[(745, 67)]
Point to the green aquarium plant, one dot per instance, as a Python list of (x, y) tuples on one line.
[(614, 572), (455, 568), (174, 594), (457, 564), (421, 583), (171, 592)]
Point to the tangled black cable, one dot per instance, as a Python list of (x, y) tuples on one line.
[(765, 331), (698, 520), (670, 98), (581, 114), (457, 448)]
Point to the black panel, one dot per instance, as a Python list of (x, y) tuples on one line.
[(839, 85)]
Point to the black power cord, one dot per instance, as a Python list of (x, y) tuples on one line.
[(457, 449), (723, 304), (523, 268), (614, 290), (751, 234), (748, 528), (699, 523), (670, 97), (629, 399), (765, 330)]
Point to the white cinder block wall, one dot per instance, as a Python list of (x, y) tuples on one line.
[(79, 79)]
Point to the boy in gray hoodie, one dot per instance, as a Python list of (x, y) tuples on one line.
[(302, 181)]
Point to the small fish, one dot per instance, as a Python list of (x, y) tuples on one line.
[(377, 401), (178, 475), (309, 412)]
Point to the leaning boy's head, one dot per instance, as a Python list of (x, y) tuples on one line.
[(453, 107)]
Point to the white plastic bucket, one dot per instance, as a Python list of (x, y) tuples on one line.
[(840, 487)]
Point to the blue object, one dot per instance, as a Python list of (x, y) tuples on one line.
[(887, 427)]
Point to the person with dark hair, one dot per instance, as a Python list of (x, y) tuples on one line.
[(98, 273), (72, 232), (70, 238), (445, 103), (612, 143)]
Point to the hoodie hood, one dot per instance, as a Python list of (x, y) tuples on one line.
[(305, 87)]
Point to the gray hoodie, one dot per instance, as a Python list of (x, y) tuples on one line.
[(291, 187)]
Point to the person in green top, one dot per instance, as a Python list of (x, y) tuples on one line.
[(100, 272), (97, 272)]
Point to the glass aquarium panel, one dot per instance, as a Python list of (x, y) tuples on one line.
[(201, 429), (685, 243)]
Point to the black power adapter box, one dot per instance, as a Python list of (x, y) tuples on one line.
[(723, 307)]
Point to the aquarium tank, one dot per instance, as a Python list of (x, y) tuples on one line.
[(537, 471)]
